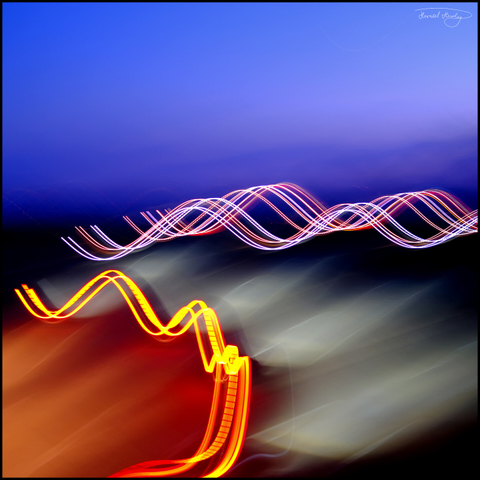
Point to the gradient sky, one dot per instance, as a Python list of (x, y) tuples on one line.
[(198, 99)]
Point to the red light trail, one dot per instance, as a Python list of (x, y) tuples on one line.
[(300, 210), (231, 398)]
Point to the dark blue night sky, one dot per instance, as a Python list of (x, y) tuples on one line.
[(104, 105)]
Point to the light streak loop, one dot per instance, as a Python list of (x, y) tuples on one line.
[(227, 423)]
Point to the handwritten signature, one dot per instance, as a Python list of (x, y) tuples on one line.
[(449, 19)]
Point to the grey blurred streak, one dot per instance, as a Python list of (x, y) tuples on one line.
[(370, 368), (352, 364)]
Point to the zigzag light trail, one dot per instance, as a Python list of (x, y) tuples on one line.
[(299, 210), (227, 424)]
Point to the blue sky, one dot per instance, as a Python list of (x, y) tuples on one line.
[(203, 98)]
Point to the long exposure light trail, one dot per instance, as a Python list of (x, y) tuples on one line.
[(227, 423), (299, 210)]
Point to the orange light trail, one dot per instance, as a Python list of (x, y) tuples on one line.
[(299, 210), (231, 399)]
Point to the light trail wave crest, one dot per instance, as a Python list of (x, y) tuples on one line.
[(298, 209)]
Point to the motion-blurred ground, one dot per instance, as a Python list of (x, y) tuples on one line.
[(364, 356)]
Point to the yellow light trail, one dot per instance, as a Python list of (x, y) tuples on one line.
[(228, 422)]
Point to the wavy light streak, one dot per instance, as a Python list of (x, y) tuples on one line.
[(298, 209), (227, 423)]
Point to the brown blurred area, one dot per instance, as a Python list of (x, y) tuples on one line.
[(87, 398)]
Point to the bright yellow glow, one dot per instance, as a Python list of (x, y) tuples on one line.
[(226, 425)]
